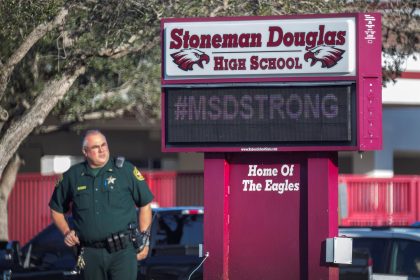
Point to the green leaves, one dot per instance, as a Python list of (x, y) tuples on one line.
[(19, 18)]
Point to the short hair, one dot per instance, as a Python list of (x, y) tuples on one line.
[(88, 133)]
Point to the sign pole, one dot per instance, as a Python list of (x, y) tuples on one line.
[(322, 212), (216, 224), (269, 232)]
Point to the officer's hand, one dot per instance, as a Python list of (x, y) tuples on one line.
[(143, 254), (71, 239)]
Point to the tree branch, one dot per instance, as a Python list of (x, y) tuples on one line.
[(126, 49), (44, 129), (36, 34), (223, 7), (106, 114), (35, 116)]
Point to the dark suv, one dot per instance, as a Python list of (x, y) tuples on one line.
[(395, 251), (176, 234)]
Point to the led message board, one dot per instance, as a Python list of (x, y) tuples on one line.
[(310, 82), (252, 116)]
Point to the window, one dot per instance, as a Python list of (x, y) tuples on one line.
[(178, 229), (377, 248), (406, 162), (405, 258)]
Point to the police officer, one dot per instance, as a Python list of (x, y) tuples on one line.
[(103, 194)]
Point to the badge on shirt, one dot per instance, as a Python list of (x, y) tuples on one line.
[(81, 188), (110, 180), (137, 174)]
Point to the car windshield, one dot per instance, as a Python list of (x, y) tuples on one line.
[(377, 248), (179, 229), (406, 258)]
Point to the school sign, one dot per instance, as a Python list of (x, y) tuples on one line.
[(270, 101), (262, 47)]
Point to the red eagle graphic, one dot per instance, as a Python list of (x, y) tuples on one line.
[(186, 58), (327, 55)]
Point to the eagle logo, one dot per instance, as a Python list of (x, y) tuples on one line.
[(186, 58), (327, 55)]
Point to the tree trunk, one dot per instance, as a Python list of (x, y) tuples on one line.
[(35, 116), (7, 182)]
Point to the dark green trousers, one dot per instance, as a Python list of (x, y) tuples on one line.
[(102, 265)]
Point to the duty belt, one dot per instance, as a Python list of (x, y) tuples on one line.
[(95, 244), (115, 242)]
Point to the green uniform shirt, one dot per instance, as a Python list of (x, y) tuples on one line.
[(103, 204)]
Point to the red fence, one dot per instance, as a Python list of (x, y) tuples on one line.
[(29, 213), (27, 206), (368, 201), (381, 201)]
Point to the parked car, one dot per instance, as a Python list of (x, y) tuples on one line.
[(360, 268), (395, 251), (175, 237), (416, 224)]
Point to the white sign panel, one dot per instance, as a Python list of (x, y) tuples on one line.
[(263, 48)]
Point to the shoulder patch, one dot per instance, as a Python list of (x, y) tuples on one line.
[(137, 174)]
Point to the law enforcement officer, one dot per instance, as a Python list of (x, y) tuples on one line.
[(103, 193)]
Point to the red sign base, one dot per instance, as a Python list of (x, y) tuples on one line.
[(267, 215)]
